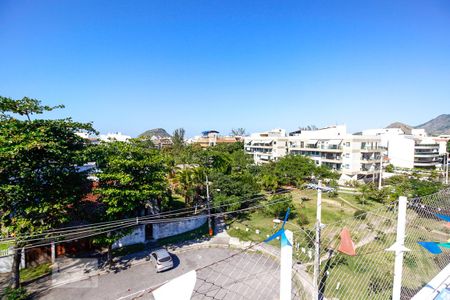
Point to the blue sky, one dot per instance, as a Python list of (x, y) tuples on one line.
[(134, 65)]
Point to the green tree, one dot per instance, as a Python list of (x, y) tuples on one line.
[(390, 168), (232, 188), (133, 181), (178, 138), (269, 182), (278, 205), (39, 180), (238, 132)]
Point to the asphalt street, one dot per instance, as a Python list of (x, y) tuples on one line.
[(221, 274)]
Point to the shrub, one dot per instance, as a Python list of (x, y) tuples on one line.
[(360, 215), (302, 218), (15, 294)]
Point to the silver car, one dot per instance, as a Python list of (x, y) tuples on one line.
[(161, 259)]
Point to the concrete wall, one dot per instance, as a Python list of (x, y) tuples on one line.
[(160, 231), (135, 237), (163, 230), (6, 264)]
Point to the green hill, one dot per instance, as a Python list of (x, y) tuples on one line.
[(155, 132)]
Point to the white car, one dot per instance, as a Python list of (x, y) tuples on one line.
[(161, 259)]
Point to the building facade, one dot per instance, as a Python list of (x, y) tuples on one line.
[(211, 138), (353, 156), (266, 146), (415, 150)]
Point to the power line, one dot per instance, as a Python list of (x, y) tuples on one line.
[(137, 220), (127, 225)]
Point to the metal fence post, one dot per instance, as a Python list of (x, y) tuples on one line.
[(317, 242), (286, 267), (399, 248)]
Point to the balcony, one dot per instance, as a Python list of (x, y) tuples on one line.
[(371, 149)]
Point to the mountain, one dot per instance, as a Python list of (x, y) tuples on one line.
[(439, 125), (406, 128), (155, 132)]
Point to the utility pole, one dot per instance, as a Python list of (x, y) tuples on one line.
[(381, 171), (208, 203), (317, 243)]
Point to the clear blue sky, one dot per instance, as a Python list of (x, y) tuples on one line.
[(217, 64)]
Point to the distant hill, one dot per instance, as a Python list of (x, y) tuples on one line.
[(436, 126), (439, 125), (155, 132), (406, 128)]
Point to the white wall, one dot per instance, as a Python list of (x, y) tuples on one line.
[(160, 230), (401, 152), (135, 237), (163, 230)]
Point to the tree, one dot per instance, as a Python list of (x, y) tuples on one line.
[(235, 188), (39, 180), (269, 182), (278, 205), (390, 168), (178, 138), (132, 182), (238, 132)]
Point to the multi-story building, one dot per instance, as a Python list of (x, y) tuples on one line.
[(117, 136), (351, 155), (212, 138), (414, 150), (266, 146)]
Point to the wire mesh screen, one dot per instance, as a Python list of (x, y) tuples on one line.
[(368, 274), (419, 265)]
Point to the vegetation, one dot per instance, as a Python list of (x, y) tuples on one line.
[(15, 294), (41, 187), (39, 180), (32, 273), (132, 179)]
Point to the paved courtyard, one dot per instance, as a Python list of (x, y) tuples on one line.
[(222, 274)]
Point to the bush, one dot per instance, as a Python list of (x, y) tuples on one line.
[(278, 205), (302, 218), (15, 294), (360, 214), (389, 168)]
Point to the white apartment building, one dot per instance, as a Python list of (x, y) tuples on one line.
[(266, 146), (353, 156), (415, 150), (117, 136)]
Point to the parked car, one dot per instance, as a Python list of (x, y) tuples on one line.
[(162, 260)]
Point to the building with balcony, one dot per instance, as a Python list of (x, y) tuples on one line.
[(414, 150), (353, 156), (211, 138), (266, 146)]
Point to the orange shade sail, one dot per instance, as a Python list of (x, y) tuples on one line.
[(346, 246)]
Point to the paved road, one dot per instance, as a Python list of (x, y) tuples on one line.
[(240, 275)]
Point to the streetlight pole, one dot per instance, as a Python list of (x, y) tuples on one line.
[(208, 203)]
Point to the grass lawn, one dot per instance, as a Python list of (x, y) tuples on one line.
[(5, 245), (31, 273)]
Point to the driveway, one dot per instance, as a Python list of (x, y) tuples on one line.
[(222, 273)]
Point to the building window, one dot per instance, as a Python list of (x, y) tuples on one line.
[(347, 144)]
